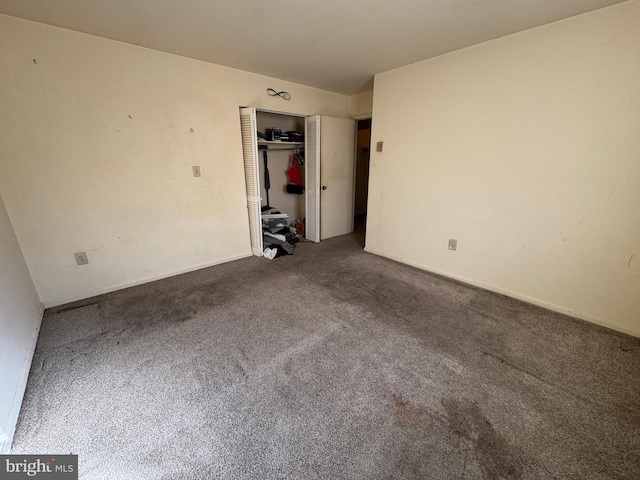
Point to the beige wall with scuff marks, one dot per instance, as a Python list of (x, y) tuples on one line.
[(525, 149), (98, 143)]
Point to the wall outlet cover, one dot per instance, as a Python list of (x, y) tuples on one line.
[(453, 244), (81, 258)]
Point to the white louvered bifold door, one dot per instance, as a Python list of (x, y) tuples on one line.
[(312, 178), (252, 176)]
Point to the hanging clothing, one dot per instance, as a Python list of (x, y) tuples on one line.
[(295, 178), (267, 180), (294, 174)]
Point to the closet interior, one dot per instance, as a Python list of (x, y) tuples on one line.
[(281, 154)]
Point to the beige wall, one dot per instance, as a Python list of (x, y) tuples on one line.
[(20, 316), (361, 105), (97, 151), (526, 150)]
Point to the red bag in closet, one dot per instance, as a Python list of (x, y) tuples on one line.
[(294, 174), (295, 179)]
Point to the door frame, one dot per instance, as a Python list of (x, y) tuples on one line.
[(359, 118)]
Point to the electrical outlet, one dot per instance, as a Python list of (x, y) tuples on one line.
[(81, 258), (196, 171), (453, 244)]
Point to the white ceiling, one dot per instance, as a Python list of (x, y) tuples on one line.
[(337, 45)]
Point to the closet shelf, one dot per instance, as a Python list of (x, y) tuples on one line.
[(269, 145)]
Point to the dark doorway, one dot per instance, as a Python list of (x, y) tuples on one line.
[(363, 145)]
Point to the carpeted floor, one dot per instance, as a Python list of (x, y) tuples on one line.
[(332, 364)]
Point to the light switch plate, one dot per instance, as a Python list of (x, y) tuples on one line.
[(81, 258), (379, 146), (196, 171)]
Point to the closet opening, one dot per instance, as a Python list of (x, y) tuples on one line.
[(279, 157), (284, 181), (363, 155), (275, 148)]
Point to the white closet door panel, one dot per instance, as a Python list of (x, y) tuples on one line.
[(337, 148), (252, 177), (312, 178)]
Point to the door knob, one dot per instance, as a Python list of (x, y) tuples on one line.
[(324, 187)]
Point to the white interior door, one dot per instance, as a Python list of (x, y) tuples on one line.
[(337, 156), (312, 178), (252, 177)]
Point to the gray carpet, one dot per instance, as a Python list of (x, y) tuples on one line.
[(333, 364)]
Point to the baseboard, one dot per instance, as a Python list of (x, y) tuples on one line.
[(509, 293), (101, 291), (6, 436)]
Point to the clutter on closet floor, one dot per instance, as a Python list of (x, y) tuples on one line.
[(279, 238)]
